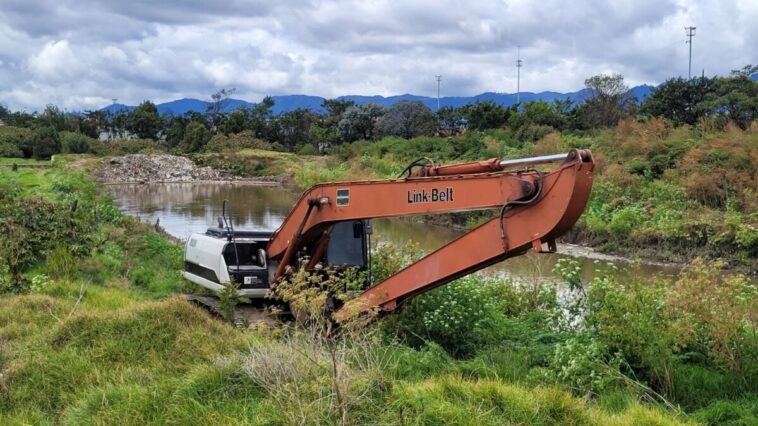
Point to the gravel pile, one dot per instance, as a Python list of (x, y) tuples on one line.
[(139, 168)]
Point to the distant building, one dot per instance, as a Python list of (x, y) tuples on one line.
[(447, 128)]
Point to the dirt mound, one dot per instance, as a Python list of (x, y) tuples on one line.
[(140, 168)]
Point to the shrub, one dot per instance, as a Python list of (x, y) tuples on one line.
[(75, 143), (629, 319), (585, 366), (307, 149), (196, 135), (10, 150), (45, 143), (706, 189), (715, 315), (235, 142), (625, 220), (470, 314), (15, 142)]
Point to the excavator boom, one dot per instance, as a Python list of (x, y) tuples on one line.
[(535, 209)]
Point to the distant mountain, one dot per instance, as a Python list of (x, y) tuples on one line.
[(117, 108), (287, 103), (754, 77)]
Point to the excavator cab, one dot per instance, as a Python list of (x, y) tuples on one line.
[(348, 244), (219, 255)]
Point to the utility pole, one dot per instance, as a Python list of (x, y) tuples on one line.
[(690, 31), (439, 80), (519, 64)]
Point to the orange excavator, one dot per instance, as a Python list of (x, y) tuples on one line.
[(330, 225)]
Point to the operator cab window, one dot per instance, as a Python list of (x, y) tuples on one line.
[(347, 244)]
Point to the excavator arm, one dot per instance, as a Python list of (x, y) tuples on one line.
[(535, 209)]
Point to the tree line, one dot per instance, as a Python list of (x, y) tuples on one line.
[(606, 100)]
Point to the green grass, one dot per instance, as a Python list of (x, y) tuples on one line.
[(456, 400), (5, 160), (32, 181)]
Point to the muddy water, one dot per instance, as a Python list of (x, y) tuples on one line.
[(184, 208)]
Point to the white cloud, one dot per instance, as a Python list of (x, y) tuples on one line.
[(55, 61), (76, 53)]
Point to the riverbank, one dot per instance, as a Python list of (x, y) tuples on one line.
[(163, 168)]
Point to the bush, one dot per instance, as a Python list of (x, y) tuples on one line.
[(15, 142), (75, 143), (471, 314), (706, 189), (10, 150), (625, 220), (715, 315), (45, 143), (629, 319), (235, 142), (307, 149), (586, 366)]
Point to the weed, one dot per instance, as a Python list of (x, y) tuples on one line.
[(228, 300)]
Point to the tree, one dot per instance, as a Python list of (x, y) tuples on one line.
[(336, 107), (175, 128), (408, 119), (144, 121), (609, 101), (93, 123), (485, 115), (53, 117), (358, 122), (747, 71), (450, 118), (679, 100), (734, 99), (196, 135), (322, 136), (217, 105), (722, 98), (237, 121), (219, 100), (554, 114), (260, 115), (294, 127), (20, 119), (45, 143)]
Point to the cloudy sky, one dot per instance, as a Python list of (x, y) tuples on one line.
[(79, 54)]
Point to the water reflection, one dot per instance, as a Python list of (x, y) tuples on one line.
[(185, 208)]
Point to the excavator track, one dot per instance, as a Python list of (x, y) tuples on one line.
[(246, 315)]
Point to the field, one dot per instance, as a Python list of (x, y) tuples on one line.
[(93, 331)]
